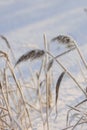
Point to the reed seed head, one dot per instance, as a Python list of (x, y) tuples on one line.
[(33, 54), (65, 40)]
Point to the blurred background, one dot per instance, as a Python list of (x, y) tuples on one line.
[(25, 21)]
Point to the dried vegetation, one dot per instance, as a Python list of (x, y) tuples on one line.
[(19, 106)]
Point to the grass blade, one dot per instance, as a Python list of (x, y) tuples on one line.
[(57, 88)]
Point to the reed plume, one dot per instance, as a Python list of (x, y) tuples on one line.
[(33, 54), (64, 40)]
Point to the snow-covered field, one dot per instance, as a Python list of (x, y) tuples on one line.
[(24, 22)]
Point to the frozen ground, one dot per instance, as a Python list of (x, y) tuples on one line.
[(23, 22)]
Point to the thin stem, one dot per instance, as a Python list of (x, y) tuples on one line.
[(72, 77), (39, 97), (81, 56), (8, 108), (47, 89), (73, 126), (18, 85), (77, 123), (74, 107), (69, 50)]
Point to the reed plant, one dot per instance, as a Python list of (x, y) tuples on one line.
[(21, 101)]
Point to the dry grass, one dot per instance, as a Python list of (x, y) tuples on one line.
[(17, 109)]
